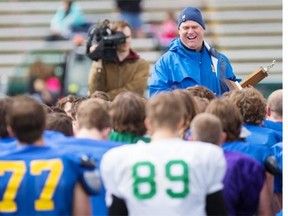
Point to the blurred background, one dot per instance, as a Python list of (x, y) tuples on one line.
[(249, 32)]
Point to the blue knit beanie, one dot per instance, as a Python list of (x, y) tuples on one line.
[(193, 14)]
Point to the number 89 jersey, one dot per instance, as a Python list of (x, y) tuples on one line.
[(171, 177), (38, 181)]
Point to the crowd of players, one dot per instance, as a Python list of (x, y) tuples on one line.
[(184, 152)]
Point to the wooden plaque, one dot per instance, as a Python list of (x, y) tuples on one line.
[(254, 78)]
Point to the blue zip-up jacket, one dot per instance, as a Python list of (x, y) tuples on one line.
[(181, 67)]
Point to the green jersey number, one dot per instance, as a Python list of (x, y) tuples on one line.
[(144, 186)]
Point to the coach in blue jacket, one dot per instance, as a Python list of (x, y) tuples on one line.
[(190, 60)]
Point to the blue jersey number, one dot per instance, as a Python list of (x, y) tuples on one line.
[(18, 170)]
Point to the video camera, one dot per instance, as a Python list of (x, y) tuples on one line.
[(106, 41)]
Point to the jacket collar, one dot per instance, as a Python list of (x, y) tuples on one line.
[(131, 56)]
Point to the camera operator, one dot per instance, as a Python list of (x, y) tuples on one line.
[(126, 72)]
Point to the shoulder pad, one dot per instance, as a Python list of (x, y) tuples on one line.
[(272, 166), (87, 162), (92, 181)]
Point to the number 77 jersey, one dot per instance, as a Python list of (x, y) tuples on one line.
[(169, 177), (38, 181)]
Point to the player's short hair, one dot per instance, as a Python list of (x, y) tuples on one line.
[(68, 99), (202, 103), (202, 92), (207, 127), (93, 114), (165, 110), (275, 102), (27, 118), (4, 106), (251, 103), (60, 122), (47, 108), (75, 105), (229, 115), (55, 109), (128, 113), (190, 105), (101, 95)]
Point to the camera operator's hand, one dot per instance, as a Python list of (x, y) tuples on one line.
[(92, 48), (95, 51)]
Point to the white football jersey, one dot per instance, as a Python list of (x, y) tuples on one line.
[(167, 177)]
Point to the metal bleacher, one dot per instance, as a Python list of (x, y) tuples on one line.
[(249, 32)]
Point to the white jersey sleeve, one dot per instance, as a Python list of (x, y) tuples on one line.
[(110, 172), (216, 170)]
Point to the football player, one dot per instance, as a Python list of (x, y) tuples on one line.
[(37, 179), (168, 176)]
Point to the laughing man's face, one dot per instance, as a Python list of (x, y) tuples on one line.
[(191, 35)]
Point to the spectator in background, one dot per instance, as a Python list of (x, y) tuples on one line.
[(67, 20), (130, 11), (190, 60), (43, 84), (168, 31)]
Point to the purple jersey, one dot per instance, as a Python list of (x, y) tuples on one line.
[(243, 183)]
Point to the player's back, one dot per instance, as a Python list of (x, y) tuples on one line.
[(262, 135), (276, 126), (241, 189), (10, 143), (95, 149), (7, 143), (257, 151), (168, 177), (37, 181)]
